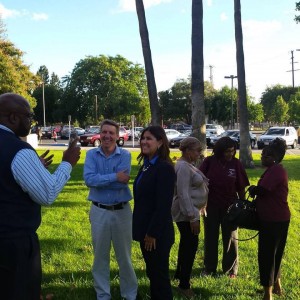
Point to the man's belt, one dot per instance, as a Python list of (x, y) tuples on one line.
[(111, 207)]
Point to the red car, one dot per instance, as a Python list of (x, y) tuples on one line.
[(93, 137)]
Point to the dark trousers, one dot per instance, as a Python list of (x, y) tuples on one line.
[(186, 254), (271, 244), (157, 269), (20, 268), (212, 223)]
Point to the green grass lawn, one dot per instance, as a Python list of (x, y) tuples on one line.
[(67, 250)]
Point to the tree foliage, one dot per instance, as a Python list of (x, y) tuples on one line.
[(119, 84), (280, 111), (270, 95), (294, 108), (297, 17), (15, 76)]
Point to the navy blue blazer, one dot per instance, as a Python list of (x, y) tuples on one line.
[(153, 196)]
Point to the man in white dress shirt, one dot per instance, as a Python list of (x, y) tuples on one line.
[(25, 185)]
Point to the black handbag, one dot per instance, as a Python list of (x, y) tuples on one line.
[(242, 214)]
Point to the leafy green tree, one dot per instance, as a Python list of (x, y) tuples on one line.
[(220, 108), (176, 102), (294, 108), (43, 74), (52, 93), (120, 87), (297, 17), (269, 98), (15, 76), (280, 111), (255, 111)]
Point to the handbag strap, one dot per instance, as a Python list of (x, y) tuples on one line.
[(243, 240)]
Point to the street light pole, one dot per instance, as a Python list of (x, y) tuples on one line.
[(96, 108), (231, 77), (44, 109)]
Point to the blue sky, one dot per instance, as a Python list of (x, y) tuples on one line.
[(60, 33)]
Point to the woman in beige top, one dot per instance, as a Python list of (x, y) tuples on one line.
[(189, 203)]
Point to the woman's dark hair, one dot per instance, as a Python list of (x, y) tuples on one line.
[(222, 145), (276, 149), (163, 151)]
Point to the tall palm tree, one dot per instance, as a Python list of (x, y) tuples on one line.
[(198, 106), (152, 91), (245, 148)]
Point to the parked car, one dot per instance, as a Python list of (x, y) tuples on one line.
[(214, 129), (172, 133), (137, 132), (288, 133), (92, 137), (65, 132), (79, 131), (234, 134), (181, 127), (46, 132), (175, 142)]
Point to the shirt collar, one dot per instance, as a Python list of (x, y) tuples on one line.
[(116, 151), (152, 161), (6, 128)]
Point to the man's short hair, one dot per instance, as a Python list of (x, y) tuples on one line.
[(110, 122)]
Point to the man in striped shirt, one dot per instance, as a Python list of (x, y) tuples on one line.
[(25, 185)]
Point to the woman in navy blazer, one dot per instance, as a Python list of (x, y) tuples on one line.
[(152, 220)]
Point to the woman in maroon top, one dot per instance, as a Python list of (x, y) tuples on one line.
[(274, 215), (227, 182)]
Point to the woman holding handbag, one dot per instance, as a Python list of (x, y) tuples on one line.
[(189, 202), (274, 216), (227, 182)]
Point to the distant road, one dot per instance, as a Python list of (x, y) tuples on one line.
[(62, 145)]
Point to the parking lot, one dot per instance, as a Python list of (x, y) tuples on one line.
[(62, 144)]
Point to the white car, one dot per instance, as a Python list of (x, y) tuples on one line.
[(214, 129), (172, 133), (289, 134), (79, 130)]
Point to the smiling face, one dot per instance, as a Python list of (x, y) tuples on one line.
[(149, 144), (108, 138)]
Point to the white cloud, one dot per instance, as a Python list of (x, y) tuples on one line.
[(39, 16), (260, 29), (129, 5), (223, 17), (209, 2), (11, 13), (8, 13)]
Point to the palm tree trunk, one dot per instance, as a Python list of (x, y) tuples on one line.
[(152, 91), (245, 148), (198, 106)]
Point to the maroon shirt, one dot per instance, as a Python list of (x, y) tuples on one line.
[(273, 205), (225, 179)]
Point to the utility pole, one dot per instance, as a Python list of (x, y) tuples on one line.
[(231, 77), (44, 107), (211, 78), (96, 109), (293, 69)]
